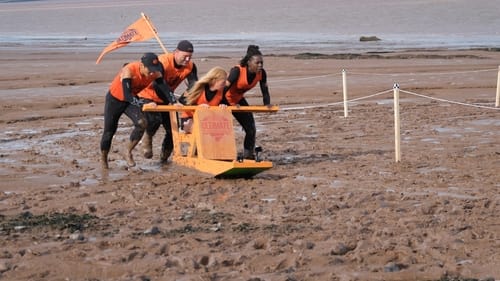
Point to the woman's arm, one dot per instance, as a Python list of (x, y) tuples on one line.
[(266, 98)]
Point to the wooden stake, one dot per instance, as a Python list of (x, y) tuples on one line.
[(497, 102), (344, 88), (397, 124)]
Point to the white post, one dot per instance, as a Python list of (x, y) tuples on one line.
[(397, 131), (497, 102), (344, 88)]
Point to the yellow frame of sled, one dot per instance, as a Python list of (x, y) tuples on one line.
[(211, 146)]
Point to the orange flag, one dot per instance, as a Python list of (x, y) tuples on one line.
[(141, 30)]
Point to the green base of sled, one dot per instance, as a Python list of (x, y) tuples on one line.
[(241, 172), (224, 169)]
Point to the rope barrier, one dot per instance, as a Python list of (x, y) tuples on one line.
[(370, 96), (304, 78), (333, 103), (450, 101), (396, 90), (422, 73), (385, 92), (384, 74)]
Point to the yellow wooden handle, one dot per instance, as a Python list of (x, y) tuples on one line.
[(251, 108)]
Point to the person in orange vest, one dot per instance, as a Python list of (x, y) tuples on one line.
[(177, 67), (208, 91), (242, 78), (122, 99)]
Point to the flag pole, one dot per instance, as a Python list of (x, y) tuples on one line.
[(154, 32)]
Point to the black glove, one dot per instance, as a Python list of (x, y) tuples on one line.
[(164, 93), (137, 102), (172, 98), (182, 99)]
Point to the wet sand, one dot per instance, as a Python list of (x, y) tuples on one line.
[(335, 206)]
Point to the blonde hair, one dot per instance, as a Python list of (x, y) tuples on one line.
[(214, 74)]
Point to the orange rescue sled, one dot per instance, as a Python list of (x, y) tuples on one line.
[(211, 146)]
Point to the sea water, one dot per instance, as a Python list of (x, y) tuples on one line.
[(218, 26)]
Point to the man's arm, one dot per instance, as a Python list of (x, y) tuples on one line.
[(192, 77), (163, 91), (126, 77)]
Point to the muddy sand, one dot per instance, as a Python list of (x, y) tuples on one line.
[(335, 206)]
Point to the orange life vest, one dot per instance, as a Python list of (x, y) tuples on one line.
[(173, 76), (202, 99), (139, 81), (237, 90)]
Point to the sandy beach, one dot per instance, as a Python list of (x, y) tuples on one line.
[(335, 206)]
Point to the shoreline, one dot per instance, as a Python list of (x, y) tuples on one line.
[(290, 51)]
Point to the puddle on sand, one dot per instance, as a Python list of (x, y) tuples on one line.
[(456, 195), (444, 130), (485, 122), (304, 178), (471, 128), (432, 170), (336, 184), (430, 140), (449, 194)]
